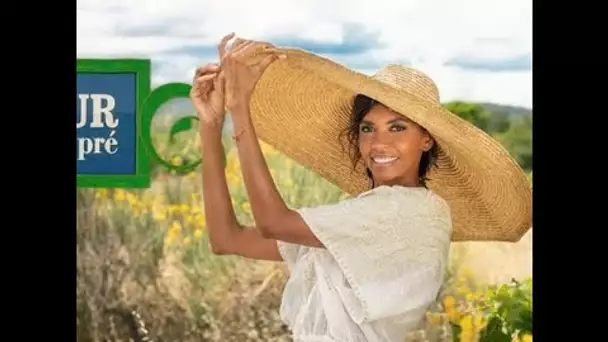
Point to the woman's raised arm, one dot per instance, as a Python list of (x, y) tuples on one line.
[(273, 218), (226, 235)]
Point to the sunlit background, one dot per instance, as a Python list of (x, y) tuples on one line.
[(144, 267)]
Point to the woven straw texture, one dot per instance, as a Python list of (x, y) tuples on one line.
[(301, 105)]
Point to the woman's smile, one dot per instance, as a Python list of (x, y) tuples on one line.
[(383, 161)]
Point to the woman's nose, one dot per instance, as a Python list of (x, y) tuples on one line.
[(381, 139)]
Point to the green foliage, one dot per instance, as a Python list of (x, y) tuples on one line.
[(518, 140), (514, 133), (509, 308), (496, 313), (472, 112)]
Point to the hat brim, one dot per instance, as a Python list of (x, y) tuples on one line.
[(302, 104)]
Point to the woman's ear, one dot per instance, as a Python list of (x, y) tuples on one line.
[(427, 142)]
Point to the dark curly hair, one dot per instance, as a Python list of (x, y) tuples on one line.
[(361, 106)]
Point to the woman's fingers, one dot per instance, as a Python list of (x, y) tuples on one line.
[(203, 79), (242, 48), (206, 69), (266, 62), (246, 49), (204, 84), (221, 49), (244, 44), (238, 44), (252, 48)]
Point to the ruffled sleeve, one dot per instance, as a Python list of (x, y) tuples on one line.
[(392, 245), (290, 253)]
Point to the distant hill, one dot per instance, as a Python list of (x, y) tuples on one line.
[(183, 106), (509, 110)]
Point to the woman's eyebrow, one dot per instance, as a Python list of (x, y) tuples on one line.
[(367, 122)]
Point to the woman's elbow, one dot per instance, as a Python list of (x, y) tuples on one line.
[(273, 227), (218, 248), (222, 239), (267, 231)]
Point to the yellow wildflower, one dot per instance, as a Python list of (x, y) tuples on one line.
[(120, 195), (131, 198), (467, 332), (449, 302), (526, 338), (101, 194), (471, 297), (173, 232), (160, 214), (480, 322), (176, 160), (184, 208), (199, 218), (198, 234), (196, 209), (452, 314), (189, 219), (176, 226), (247, 207)]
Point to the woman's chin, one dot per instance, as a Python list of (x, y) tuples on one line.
[(386, 178)]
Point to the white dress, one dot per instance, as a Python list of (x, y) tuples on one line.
[(384, 262)]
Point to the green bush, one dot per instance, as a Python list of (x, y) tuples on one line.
[(509, 308), (497, 313)]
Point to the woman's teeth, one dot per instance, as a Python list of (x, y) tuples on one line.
[(384, 160)]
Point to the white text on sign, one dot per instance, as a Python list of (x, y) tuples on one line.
[(102, 106)]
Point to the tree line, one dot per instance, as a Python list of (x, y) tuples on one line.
[(512, 130)]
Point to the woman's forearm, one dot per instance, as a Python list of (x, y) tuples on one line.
[(220, 219), (267, 205)]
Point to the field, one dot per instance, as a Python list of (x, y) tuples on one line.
[(145, 271)]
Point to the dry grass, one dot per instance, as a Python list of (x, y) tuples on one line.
[(497, 262)]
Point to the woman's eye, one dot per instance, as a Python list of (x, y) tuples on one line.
[(397, 128), (365, 129)]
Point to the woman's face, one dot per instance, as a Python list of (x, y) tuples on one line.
[(391, 146)]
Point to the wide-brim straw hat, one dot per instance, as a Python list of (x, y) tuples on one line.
[(301, 105)]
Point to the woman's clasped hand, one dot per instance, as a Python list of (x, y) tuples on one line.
[(229, 84)]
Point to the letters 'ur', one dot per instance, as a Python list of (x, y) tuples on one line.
[(102, 105)]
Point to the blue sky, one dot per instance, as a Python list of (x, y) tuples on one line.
[(475, 50)]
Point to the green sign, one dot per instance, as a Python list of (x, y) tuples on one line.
[(114, 110)]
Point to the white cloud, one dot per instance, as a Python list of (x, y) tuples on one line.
[(426, 32)]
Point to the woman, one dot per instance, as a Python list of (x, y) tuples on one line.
[(367, 268)]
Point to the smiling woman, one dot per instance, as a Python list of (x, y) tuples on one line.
[(395, 150), (366, 268)]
